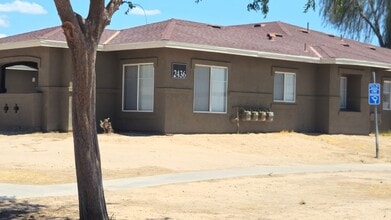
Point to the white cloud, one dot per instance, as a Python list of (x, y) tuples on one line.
[(140, 11), (3, 21), (22, 7), (3, 35)]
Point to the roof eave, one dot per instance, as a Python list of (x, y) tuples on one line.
[(54, 43), (211, 49), (200, 47), (345, 61), (133, 46), (241, 52), (33, 43), (20, 45)]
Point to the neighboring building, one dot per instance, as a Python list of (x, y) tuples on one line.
[(179, 76)]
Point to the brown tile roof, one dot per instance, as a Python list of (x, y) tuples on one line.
[(52, 34), (271, 37)]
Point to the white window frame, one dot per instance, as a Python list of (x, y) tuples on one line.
[(138, 87), (343, 92), (210, 90), (389, 94), (284, 99)]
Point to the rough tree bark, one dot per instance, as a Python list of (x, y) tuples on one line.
[(83, 36)]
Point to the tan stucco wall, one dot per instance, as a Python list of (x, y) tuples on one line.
[(108, 80), (322, 91), (21, 81), (55, 84), (52, 86), (384, 115), (27, 117), (250, 83), (348, 122), (139, 121)]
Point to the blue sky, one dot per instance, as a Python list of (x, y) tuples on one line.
[(19, 16)]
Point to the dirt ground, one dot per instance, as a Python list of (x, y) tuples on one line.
[(48, 159)]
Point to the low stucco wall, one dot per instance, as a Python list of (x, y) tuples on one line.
[(27, 115)]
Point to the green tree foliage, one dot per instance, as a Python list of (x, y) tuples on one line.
[(359, 19)]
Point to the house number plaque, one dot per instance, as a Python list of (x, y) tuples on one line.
[(178, 71)]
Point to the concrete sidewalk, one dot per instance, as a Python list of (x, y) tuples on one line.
[(30, 191)]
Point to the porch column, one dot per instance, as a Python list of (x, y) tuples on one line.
[(2, 80)]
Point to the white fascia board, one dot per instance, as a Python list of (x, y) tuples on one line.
[(53, 43), (278, 56), (20, 45), (211, 49), (134, 46), (62, 44), (344, 61), (200, 47), (242, 52), (33, 43)]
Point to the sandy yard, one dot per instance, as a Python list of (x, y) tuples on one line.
[(48, 159)]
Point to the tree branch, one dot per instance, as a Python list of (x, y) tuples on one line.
[(308, 5), (375, 15), (96, 11), (69, 19), (65, 10), (370, 23), (96, 19), (111, 8)]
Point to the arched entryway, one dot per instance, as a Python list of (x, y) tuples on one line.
[(20, 100), (19, 77)]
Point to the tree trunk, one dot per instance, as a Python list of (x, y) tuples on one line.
[(87, 156), (83, 37), (83, 47)]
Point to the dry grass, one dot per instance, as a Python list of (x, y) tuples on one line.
[(48, 158)]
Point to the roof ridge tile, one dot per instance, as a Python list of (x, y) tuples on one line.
[(166, 35), (244, 38), (327, 51), (283, 28), (112, 37), (51, 33)]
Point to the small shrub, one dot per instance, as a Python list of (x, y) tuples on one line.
[(106, 126)]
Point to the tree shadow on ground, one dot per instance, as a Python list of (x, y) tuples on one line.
[(10, 208)]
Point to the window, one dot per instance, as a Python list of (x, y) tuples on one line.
[(387, 95), (284, 87), (138, 87), (342, 92), (350, 92), (210, 89)]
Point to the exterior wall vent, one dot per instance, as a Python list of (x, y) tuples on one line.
[(273, 36), (259, 25), (215, 26)]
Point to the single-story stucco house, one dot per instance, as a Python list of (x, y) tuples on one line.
[(179, 76)]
